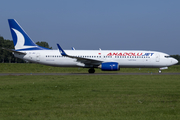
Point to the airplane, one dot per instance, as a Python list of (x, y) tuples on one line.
[(106, 60)]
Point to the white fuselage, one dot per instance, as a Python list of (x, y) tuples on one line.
[(106, 60), (125, 58)]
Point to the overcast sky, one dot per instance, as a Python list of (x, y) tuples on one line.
[(94, 24)]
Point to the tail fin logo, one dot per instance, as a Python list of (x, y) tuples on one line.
[(20, 40)]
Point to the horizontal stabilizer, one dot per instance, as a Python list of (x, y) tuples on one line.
[(11, 50)]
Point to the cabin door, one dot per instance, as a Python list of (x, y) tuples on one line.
[(157, 57), (37, 57)]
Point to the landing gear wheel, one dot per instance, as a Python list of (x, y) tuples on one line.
[(91, 70), (159, 71)]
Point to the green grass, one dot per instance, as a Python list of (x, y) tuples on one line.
[(84, 97), (38, 68)]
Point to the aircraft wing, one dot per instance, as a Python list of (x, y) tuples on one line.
[(11, 50), (86, 61)]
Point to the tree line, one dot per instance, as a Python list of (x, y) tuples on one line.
[(8, 57)]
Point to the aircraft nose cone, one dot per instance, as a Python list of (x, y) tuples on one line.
[(174, 61)]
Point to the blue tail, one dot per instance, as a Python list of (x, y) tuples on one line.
[(20, 38)]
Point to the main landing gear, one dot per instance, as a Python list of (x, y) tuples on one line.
[(91, 70)]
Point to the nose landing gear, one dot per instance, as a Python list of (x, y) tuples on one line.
[(163, 68)]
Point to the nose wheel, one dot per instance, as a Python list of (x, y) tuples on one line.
[(91, 70)]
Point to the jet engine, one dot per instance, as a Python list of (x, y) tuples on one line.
[(109, 66)]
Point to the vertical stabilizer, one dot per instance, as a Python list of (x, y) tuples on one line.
[(20, 38)]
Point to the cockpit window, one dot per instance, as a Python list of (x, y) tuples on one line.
[(167, 56)]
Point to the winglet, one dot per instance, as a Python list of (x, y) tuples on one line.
[(72, 48), (61, 50)]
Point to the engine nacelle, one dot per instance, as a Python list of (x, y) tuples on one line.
[(109, 66)]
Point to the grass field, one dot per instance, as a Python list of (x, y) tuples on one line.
[(136, 97), (88, 97), (37, 68)]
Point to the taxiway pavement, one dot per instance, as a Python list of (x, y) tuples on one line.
[(19, 74)]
